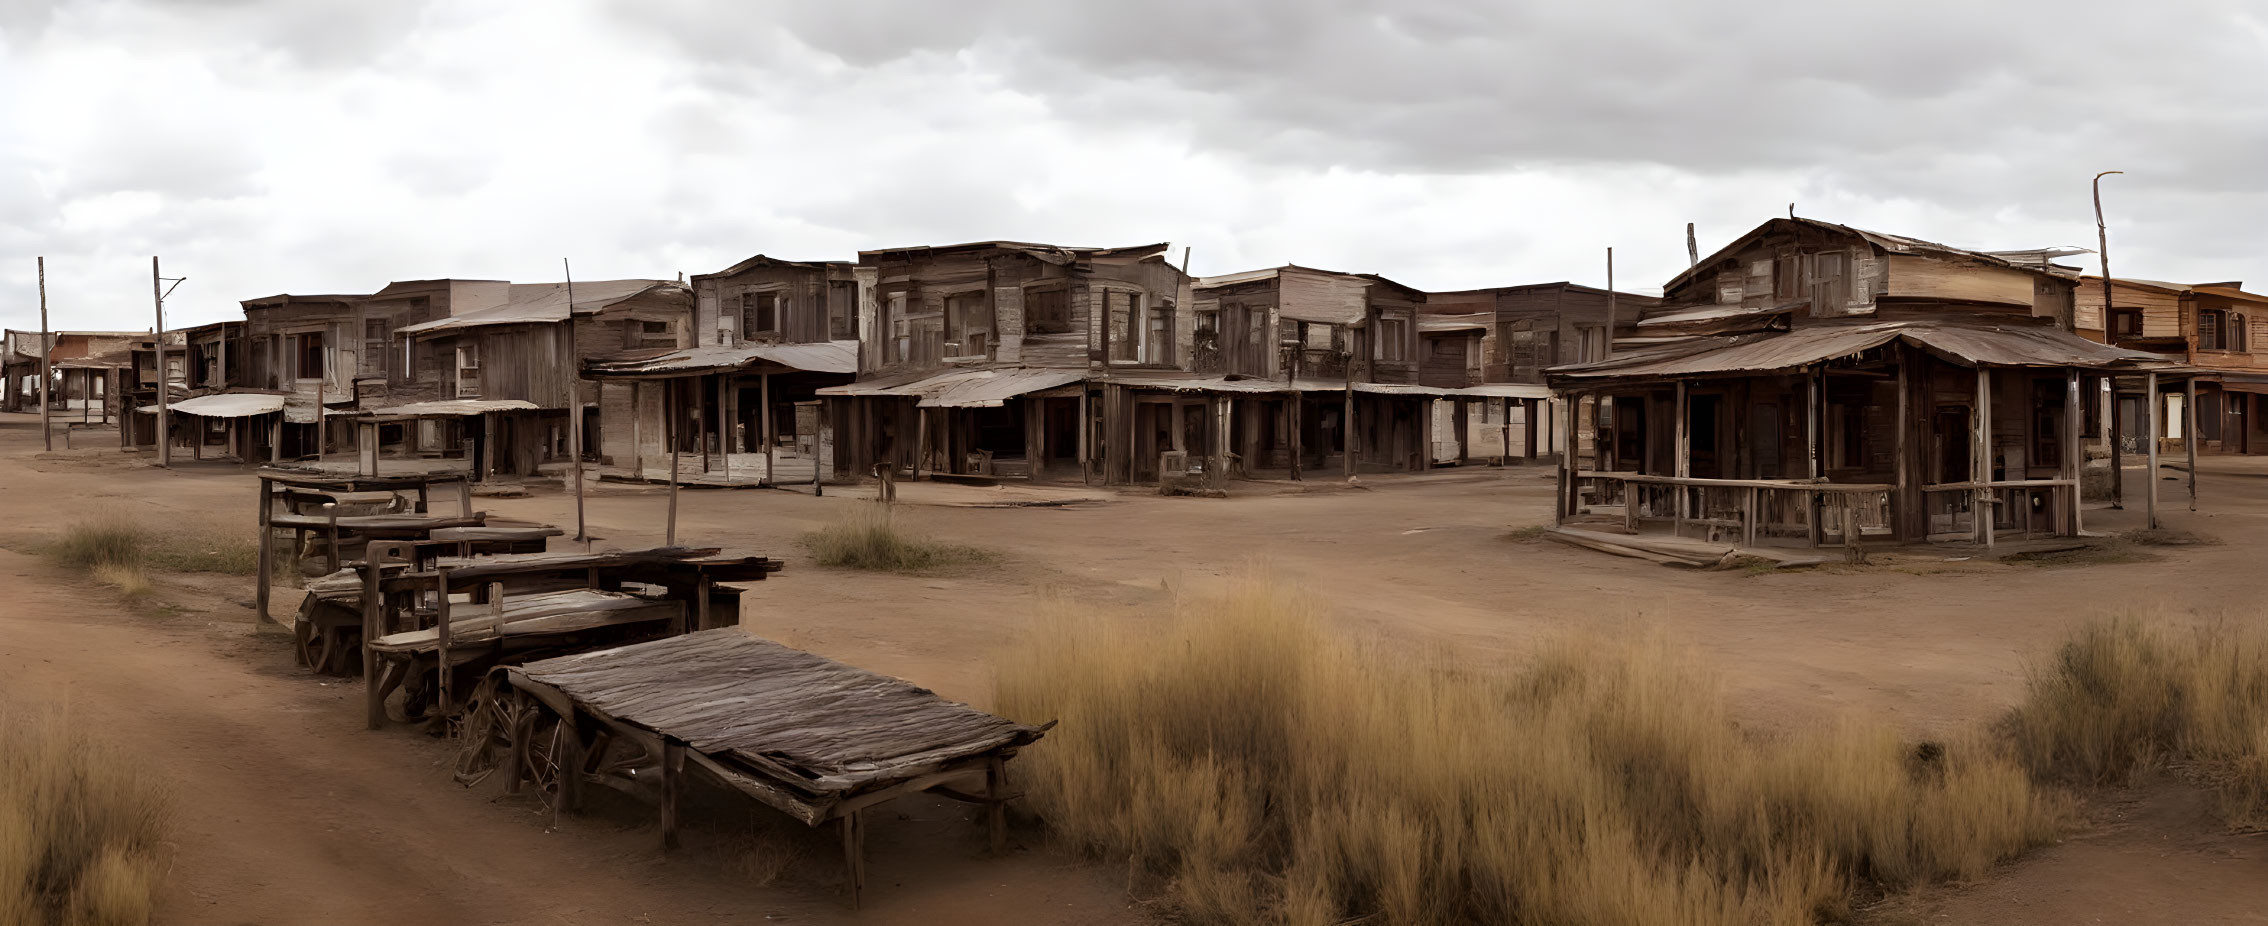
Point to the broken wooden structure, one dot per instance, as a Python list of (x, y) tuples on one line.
[(818, 740), (1821, 385), (420, 638), (343, 511)]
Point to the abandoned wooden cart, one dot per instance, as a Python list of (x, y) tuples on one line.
[(328, 629), (421, 638), (813, 738), (344, 511)]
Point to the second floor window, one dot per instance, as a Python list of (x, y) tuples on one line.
[(2212, 327), (310, 356), (1157, 336), (759, 314), (2125, 323), (2239, 335), (1121, 310), (1393, 338)]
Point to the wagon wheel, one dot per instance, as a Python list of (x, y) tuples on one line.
[(546, 754), (492, 718), (322, 647), (417, 693)]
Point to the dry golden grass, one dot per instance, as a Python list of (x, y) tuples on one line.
[(119, 539), (1271, 772), (868, 537), (79, 828), (130, 582), (2127, 694)]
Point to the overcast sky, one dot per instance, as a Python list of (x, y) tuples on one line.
[(305, 146)]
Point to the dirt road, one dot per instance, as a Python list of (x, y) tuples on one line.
[(289, 793)]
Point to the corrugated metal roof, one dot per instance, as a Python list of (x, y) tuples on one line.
[(817, 357), (962, 388), (1192, 382), (991, 388), (1987, 345), (539, 303), (1477, 321), (224, 405), (446, 408)]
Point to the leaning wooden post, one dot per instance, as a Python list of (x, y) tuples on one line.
[(373, 627), (1346, 426), (157, 298), (46, 347), (2189, 434), (996, 808), (2150, 402)]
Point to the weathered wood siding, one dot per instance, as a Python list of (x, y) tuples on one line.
[(1913, 277)]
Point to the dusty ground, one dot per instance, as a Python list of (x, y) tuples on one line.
[(292, 813)]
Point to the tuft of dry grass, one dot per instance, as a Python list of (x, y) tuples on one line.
[(1269, 771), (868, 537), (130, 582), (79, 827), (117, 539), (2125, 695)]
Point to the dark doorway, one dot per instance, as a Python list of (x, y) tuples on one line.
[(1951, 431), (1702, 412)]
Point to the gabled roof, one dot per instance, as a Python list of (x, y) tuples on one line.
[(283, 299), (1894, 244), (2223, 290), (1270, 273), (1972, 344), (545, 303), (761, 260), (1047, 252), (816, 357)]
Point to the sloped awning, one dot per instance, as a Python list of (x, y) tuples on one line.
[(964, 388), (223, 405), (448, 408), (819, 357), (1973, 345)]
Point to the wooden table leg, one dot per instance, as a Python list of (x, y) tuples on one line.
[(854, 853), (996, 810)]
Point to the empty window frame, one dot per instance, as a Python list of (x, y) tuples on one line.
[(468, 370), (1121, 308), (309, 356), (760, 314), (842, 310), (2125, 323), (649, 334), (1157, 336), (377, 345), (968, 324), (2239, 336), (1047, 311)]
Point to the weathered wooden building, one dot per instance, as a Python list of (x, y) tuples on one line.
[(2215, 327), (737, 401), (82, 365), (500, 382), (975, 359), (1820, 383)]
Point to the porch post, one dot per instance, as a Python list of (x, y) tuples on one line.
[(2189, 434), (1086, 429), (1902, 507), (637, 465), (764, 420), (1292, 414), (1531, 412), (1507, 418), (726, 428), (701, 419), (2150, 404), (1981, 466), (1811, 412), (671, 427), (2074, 451), (1682, 466), (1347, 430), (2110, 418)]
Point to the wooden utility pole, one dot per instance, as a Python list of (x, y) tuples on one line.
[(157, 298), (575, 411), (2102, 250), (46, 372)]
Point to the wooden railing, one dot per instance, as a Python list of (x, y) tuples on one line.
[(1952, 498), (1754, 508)]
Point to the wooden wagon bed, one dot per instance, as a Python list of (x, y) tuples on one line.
[(537, 615), (814, 738)]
